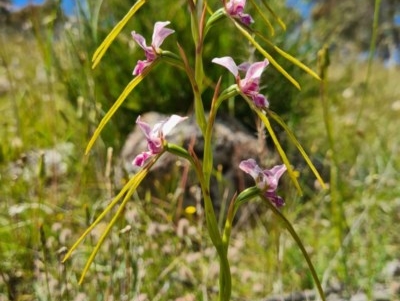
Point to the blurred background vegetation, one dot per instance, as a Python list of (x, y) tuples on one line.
[(51, 101)]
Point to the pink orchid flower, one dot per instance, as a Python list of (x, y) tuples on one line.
[(250, 84), (155, 137), (151, 52), (266, 180), (235, 9)]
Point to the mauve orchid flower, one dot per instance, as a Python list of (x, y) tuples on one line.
[(250, 84), (155, 137), (266, 180), (151, 52), (235, 9)]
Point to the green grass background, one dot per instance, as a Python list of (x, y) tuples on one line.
[(49, 96)]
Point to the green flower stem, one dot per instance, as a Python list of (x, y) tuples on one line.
[(204, 174), (225, 283), (297, 239), (214, 19), (242, 198), (251, 193), (208, 156), (226, 94), (229, 92), (225, 279), (198, 72), (207, 153), (211, 220), (172, 59)]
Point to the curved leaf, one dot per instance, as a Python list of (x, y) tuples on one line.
[(133, 182), (298, 145), (276, 17), (106, 231), (265, 19), (299, 243), (290, 58), (128, 89), (101, 50), (280, 150), (266, 54)]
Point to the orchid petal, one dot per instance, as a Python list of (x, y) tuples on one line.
[(260, 101), (277, 171), (273, 175), (140, 65), (244, 66), (228, 63), (255, 70), (235, 7), (246, 19), (171, 123), (250, 166), (145, 127), (154, 145), (275, 199), (140, 40), (141, 158), (160, 33)]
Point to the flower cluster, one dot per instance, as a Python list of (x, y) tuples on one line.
[(151, 52), (266, 180), (155, 137), (250, 84), (235, 9)]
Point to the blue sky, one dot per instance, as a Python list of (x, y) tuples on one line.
[(303, 6), (68, 5)]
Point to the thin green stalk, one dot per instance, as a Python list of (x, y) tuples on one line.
[(45, 254), (291, 136), (337, 208), (211, 221), (197, 30), (299, 243), (13, 91), (372, 46), (207, 154), (129, 188), (210, 215), (243, 197), (225, 279), (251, 193)]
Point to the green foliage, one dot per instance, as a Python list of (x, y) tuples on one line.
[(42, 215), (165, 93)]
